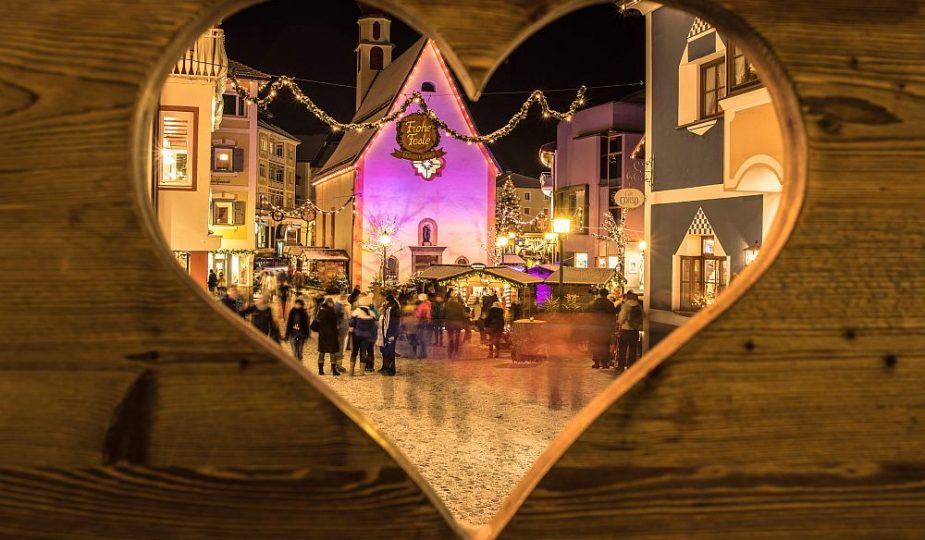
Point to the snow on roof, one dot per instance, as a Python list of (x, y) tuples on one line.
[(243, 71), (520, 181), (583, 276), (278, 130)]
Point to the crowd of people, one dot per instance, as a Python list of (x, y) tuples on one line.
[(363, 324)]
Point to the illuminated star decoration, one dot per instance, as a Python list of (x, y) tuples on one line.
[(428, 169)]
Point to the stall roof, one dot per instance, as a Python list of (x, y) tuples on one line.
[(318, 254), (440, 272), (583, 276), (443, 272), (512, 258)]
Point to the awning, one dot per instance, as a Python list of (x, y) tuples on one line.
[(317, 254), (441, 272), (583, 276), (511, 258)]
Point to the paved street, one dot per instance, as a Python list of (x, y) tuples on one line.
[(473, 426)]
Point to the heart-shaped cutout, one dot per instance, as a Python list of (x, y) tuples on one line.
[(706, 268)]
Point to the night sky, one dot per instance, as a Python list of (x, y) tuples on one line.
[(594, 46)]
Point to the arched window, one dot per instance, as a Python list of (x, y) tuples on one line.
[(428, 87), (427, 232), (391, 268), (377, 31), (463, 261), (375, 58)]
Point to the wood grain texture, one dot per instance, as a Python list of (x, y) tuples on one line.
[(134, 407)]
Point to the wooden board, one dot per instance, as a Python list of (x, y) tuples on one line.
[(134, 406)]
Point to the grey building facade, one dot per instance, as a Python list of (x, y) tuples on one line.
[(713, 178)]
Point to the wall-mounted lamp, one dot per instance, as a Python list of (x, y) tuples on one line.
[(751, 253)]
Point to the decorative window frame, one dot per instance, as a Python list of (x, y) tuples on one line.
[(689, 83), (194, 150)]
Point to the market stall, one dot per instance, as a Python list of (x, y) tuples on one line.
[(474, 281)]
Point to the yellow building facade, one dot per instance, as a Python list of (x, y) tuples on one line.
[(275, 191), (189, 110)]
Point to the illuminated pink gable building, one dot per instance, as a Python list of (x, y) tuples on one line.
[(442, 209)]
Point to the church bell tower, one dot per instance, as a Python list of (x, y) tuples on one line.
[(374, 52)]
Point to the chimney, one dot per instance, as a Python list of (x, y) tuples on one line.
[(374, 51)]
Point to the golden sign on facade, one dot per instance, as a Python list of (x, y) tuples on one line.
[(417, 138)]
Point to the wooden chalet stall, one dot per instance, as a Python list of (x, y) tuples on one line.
[(471, 281), (581, 282)]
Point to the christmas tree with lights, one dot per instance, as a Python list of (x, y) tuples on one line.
[(507, 209), (614, 231)]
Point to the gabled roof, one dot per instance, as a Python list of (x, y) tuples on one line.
[(243, 71), (278, 130), (311, 147), (444, 272), (520, 181), (379, 98)]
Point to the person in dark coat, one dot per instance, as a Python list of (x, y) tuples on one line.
[(328, 340), (231, 300), (213, 281), (262, 318), (517, 311), (456, 320), (363, 331), (494, 326), (354, 295), (389, 326), (297, 328), (438, 320), (604, 315)]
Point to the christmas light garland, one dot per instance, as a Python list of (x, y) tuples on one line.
[(298, 212), (288, 83)]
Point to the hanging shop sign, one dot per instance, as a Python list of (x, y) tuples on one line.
[(628, 198)]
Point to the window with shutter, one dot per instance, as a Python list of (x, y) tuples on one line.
[(238, 159), (240, 213)]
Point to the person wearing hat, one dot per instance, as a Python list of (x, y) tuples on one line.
[(297, 328), (363, 329), (422, 316), (494, 326)]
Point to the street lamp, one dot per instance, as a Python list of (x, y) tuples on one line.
[(501, 242), (561, 227), (385, 240)]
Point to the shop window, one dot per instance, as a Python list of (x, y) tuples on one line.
[(702, 278), (428, 87), (611, 156), (176, 159), (391, 268), (376, 58), (463, 261), (742, 72), (427, 233), (581, 260), (712, 87), (233, 105), (294, 235)]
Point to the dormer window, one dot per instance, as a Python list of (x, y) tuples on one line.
[(428, 87)]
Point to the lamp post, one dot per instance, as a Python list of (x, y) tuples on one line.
[(385, 240), (501, 243), (561, 226)]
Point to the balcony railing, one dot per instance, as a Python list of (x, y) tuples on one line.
[(205, 58)]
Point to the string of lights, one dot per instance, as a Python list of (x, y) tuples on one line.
[(298, 212), (537, 98)]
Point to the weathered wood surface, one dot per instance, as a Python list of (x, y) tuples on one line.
[(133, 406)]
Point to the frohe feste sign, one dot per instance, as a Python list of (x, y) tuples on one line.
[(417, 138)]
